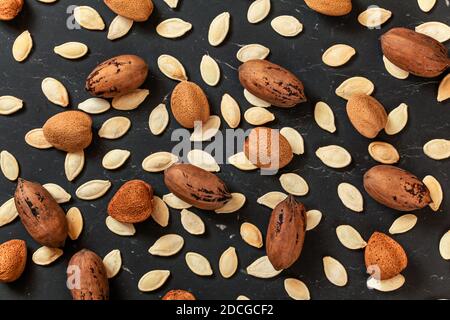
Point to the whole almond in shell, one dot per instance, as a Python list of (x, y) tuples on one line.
[(396, 188), (286, 233), (13, 258), (117, 76), (330, 7), (189, 104), (132, 203), (40, 214), (198, 187), (136, 10), (9, 9), (414, 52), (366, 114), (271, 83), (86, 277), (384, 257), (178, 295), (69, 131)]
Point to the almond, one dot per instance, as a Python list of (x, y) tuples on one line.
[(330, 7), (136, 10), (367, 115), (13, 258), (189, 104), (9, 9), (178, 295)]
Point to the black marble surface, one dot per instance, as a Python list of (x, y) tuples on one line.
[(427, 276)]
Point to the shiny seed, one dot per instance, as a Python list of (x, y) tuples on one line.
[(160, 213), (167, 245), (218, 29), (8, 212), (437, 149), (324, 117), (159, 161), (45, 255), (335, 271), (55, 92), (114, 159), (198, 264), (236, 202), (436, 192), (313, 218), (73, 164), (334, 156), (71, 50), (397, 119), (131, 100), (252, 52), (22, 46), (192, 223), (93, 189), (57, 192), (296, 289), (272, 199), (9, 165), (230, 110), (153, 280), (294, 184), (353, 86), (174, 202), (172, 68), (10, 105), (350, 237), (350, 197), (36, 139), (295, 139), (114, 128), (338, 55), (158, 119), (262, 268), (258, 11), (383, 152), (173, 28), (119, 28), (74, 223), (88, 18), (113, 263), (228, 263), (120, 228), (210, 71), (403, 224), (251, 235), (374, 17), (206, 131)]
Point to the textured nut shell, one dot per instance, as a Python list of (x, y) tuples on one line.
[(70, 131), (136, 10), (178, 295), (13, 258), (366, 114), (9, 9), (330, 7), (189, 104)]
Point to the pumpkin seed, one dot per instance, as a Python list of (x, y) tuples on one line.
[(8, 212), (403, 224), (350, 237), (210, 71), (206, 131), (88, 18), (444, 246), (251, 235), (296, 289), (22, 46), (254, 100), (120, 228), (153, 280), (313, 218), (45, 255), (71, 50), (10, 105), (374, 17), (192, 223), (36, 139), (114, 128), (437, 149), (294, 138), (444, 89), (114, 159), (74, 223), (426, 5), (159, 161), (294, 184), (57, 192), (119, 27), (258, 116), (55, 92), (73, 164), (47, 1), (338, 55), (236, 202), (386, 285), (397, 119), (350, 197), (437, 30), (171, 3), (287, 26), (167, 245), (334, 156), (240, 161), (113, 263), (198, 264), (131, 100), (262, 268), (436, 193), (228, 263), (230, 110), (174, 202), (218, 29), (395, 71), (94, 105), (93, 189), (203, 160), (272, 199), (383, 152), (9, 165), (335, 271), (173, 28), (160, 213), (258, 11), (353, 86), (172, 68), (241, 297), (252, 52), (158, 119), (324, 117)]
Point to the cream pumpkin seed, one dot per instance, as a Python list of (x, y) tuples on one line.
[(202, 159), (295, 139), (240, 161), (218, 29), (210, 71), (88, 18), (71, 50), (350, 197), (254, 100), (8, 212), (262, 268), (9, 165), (22, 46), (252, 52), (294, 184), (158, 119), (242, 297), (167, 245), (374, 17), (436, 192), (198, 264), (287, 26), (93, 189), (426, 5), (251, 235), (172, 68), (131, 100), (10, 105), (388, 285), (258, 116), (171, 3), (444, 89), (160, 213), (74, 223), (272, 199), (174, 202), (55, 92), (94, 105), (228, 263), (258, 11), (47, 1), (403, 224), (119, 27), (236, 202), (355, 85), (73, 164), (313, 218), (338, 55), (45, 256), (159, 161), (435, 29), (230, 110), (57, 192), (114, 159), (395, 71), (153, 280), (192, 223), (114, 128), (335, 271), (334, 156), (173, 28), (350, 237), (444, 246), (36, 139), (113, 263), (397, 119), (324, 117), (120, 228), (383, 152), (437, 149), (296, 289), (206, 131)]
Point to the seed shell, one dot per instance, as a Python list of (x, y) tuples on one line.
[(210, 71), (9, 166), (294, 184), (119, 27), (36, 139), (10, 105), (160, 213), (313, 218), (334, 156), (55, 92), (350, 237), (173, 28), (228, 263), (114, 159), (8, 212), (57, 192), (114, 128), (207, 130), (353, 86), (258, 116), (295, 139), (374, 17), (258, 11), (236, 202), (230, 110), (397, 119), (153, 280), (45, 256), (403, 224), (252, 52), (287, 26), (251, 235), (386, 285), (383, 152), (174, 202), (71, 50), (262, 268), (167, 245), (436, 192), (94, 105), (93, 189), (74, 223), (338, 55), (120, 228), (172, 68), (192, 223), (324, 117), (437, 149), (22, 46), (131, 100), (335, 271), (395, 71), (240, 161), (350, 197), (296, 289), (444, 246), (113, 263), (158, 119), (272, 199), (198, 264), (88, 18), (218, 29), (73, 164)]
